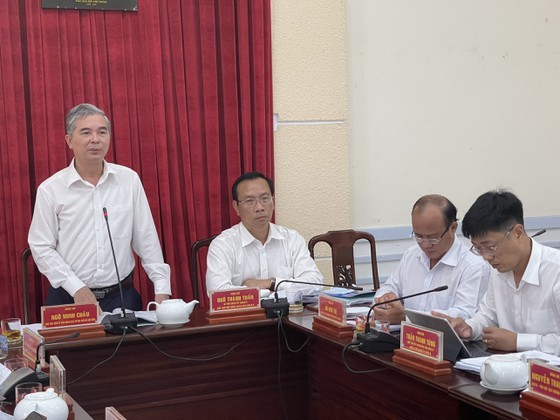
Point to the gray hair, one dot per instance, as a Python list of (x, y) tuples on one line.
[(82, 111)]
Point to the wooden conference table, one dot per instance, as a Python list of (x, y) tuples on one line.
[(143, 383)]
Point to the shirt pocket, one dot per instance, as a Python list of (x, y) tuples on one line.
[(120, 221), (285, 273), (541, 321)]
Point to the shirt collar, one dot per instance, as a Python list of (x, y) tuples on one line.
[(450, 258), (247, 238), (73, 175), (531, 274)]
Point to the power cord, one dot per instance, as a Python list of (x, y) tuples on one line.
[(279, 315), (353, 345), (281, 329), (103, 361), (192, 359), (282, 334)]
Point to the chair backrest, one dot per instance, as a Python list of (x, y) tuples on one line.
[(195, 269), (25, 284), (342, 251), (32, 288)]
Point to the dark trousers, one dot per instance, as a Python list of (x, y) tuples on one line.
[(132, 299)]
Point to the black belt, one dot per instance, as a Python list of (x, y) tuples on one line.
[(103, 292)]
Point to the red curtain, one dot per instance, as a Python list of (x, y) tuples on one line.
[(188, 88)]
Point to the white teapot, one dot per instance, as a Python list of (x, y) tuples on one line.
[(504, 371), (172, 313), (46, 403)]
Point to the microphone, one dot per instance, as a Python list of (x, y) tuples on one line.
[(279, 307), (379, 341), (116, 324), (42, 346), (26, 374)]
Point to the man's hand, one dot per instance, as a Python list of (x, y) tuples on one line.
[(500, 338), (160, 298), (260, 284), (463, 329), (392, 312), (385, 297), (84, 295)]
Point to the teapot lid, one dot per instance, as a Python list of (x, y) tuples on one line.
[(49, 394)]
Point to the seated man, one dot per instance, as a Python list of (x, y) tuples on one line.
[(521, 309), (255, 252), (440, 258)]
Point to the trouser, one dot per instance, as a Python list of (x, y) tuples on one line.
[(132, 299)]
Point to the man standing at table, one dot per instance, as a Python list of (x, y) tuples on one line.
[(68, 236), (440, 258), (256, 252), (521, 309)]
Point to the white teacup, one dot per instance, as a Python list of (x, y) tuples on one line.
[(504, 371)]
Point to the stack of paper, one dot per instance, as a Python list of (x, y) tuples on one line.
[(352, 297)]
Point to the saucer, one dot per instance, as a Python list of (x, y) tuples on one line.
[(502, 390), (175, 325)]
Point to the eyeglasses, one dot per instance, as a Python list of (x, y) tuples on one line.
[(430, 241), (251, 202), (490, 251)]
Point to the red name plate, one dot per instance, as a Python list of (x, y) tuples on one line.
[(544, 380), (234, 299), (68, 315), (332, 309), (422, 341)]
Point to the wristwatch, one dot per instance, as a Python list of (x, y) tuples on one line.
[(272, 284)]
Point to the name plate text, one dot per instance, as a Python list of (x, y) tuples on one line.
[(68, 315), (422, 341), (234, 299), (544, 379), (332, 309)]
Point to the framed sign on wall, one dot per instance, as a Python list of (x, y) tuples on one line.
[(123, 5)]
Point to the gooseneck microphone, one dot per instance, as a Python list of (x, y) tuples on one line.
[(116, 324), (279, 307), (379, 341), (26, 374), (43, 344)]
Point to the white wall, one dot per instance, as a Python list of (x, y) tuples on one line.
[(452, 97)]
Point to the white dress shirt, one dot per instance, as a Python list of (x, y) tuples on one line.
[(532, 310), (68, 234), (235, 256), (465, 274)]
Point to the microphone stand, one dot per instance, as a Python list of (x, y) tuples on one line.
[(378, 341), (279, 307), (117, 323)]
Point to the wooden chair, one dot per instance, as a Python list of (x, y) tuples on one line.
[(32, 288), (195, 268), (342, 251)]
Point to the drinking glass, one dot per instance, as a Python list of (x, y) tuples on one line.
[(15, 363), (11, 328), (380, 325), (295, 299), (27, 388)]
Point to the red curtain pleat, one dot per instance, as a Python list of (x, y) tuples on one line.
[(188, 88)]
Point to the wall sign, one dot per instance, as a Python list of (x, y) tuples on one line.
[(123, 5)]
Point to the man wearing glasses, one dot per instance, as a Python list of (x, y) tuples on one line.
[(256, 252), (521, 309), (440, 258)]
